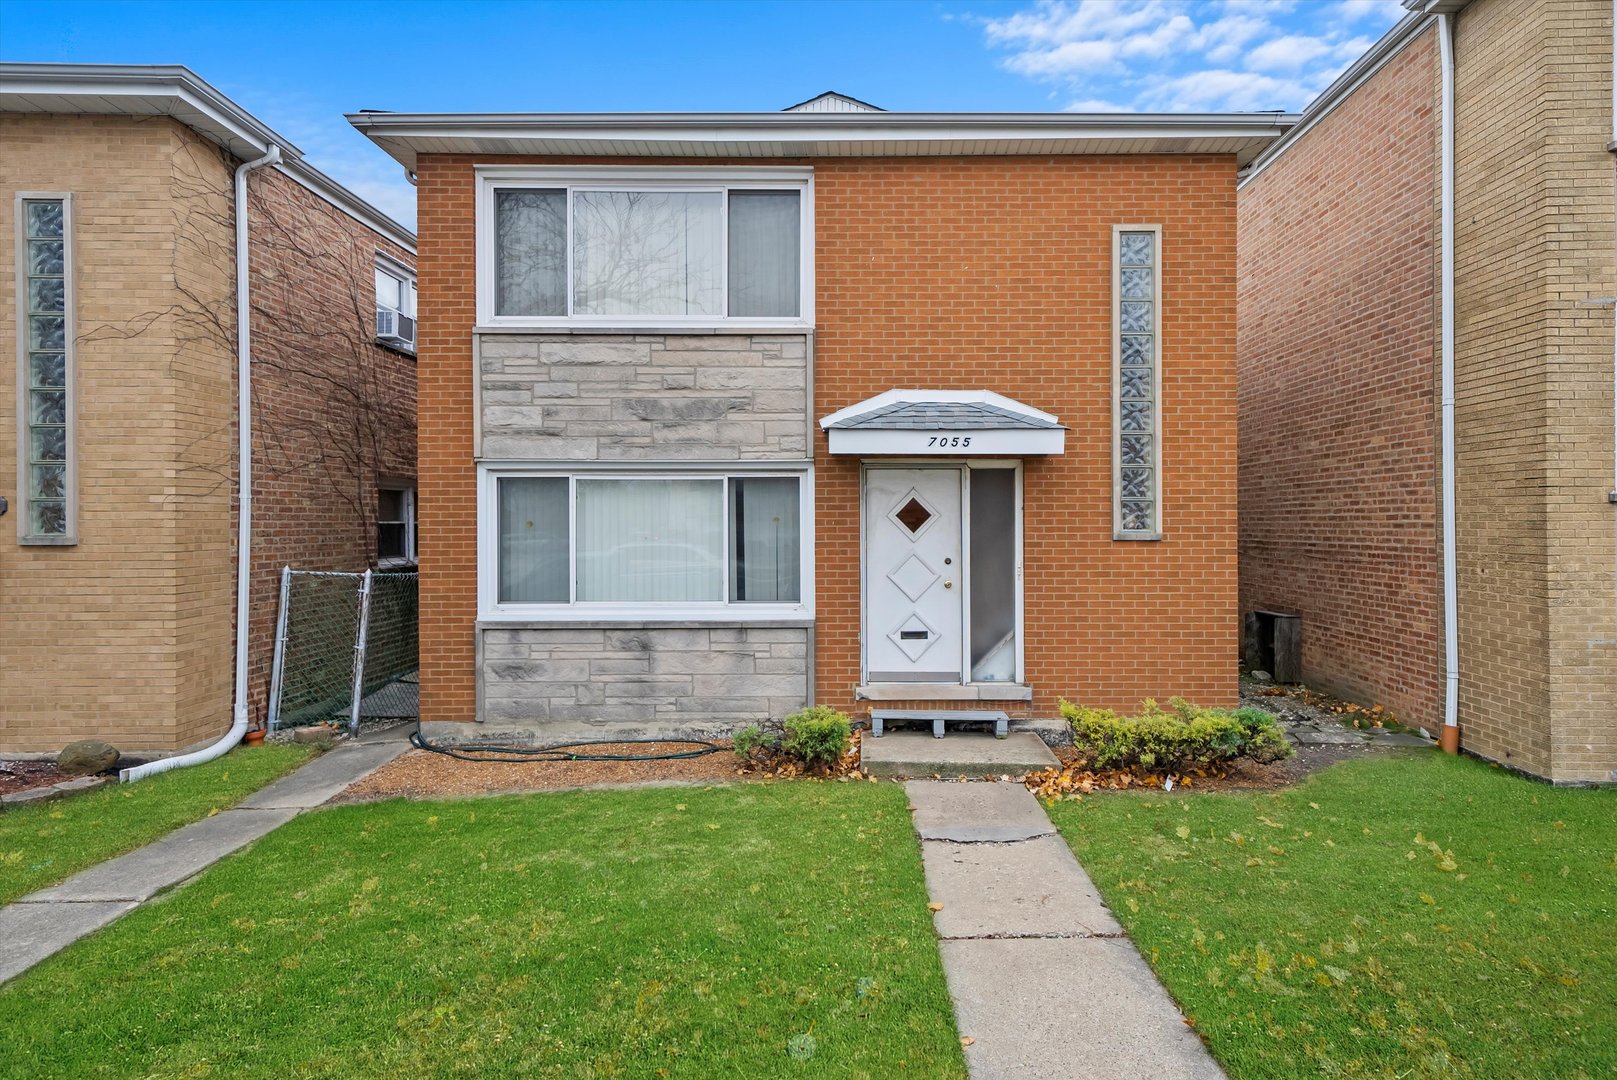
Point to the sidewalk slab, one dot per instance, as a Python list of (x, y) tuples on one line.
[(917, 753), (145, 872), (32, 932), (47, 921), (1068, 1009), (976, 813), (1030, 889), (331, 772)]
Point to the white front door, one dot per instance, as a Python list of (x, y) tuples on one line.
[(914, 618)]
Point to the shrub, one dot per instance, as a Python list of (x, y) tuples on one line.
[(818, 734), (753, 738), (1176, 737)]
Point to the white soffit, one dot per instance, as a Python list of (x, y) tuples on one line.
[(943, 423), (818, 134)]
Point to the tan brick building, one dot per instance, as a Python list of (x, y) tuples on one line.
[(1341, 349), (118, 398), (722, 414)]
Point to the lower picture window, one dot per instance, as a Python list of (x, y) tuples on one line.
[(706, 540)]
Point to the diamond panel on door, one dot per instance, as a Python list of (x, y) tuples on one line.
[(914, 636), (913, 514), (913, 577)]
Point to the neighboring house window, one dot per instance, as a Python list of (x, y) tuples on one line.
[(395, 305), (1137, 376), (601, 544), (395, 526), (645, 247), (45, 370)]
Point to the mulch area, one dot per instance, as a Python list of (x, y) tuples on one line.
[(25, 775), (1239, 775), (422, 774)]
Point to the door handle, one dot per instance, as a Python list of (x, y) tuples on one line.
[(948, 584)]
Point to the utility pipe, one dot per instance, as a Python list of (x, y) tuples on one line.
[(1450, 739), (244, 500)]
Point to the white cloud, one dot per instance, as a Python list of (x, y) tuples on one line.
[(1287, 53), (1206, 55)]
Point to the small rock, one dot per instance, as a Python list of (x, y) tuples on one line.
[(1262, 677), (86, 757), (318, 734), (81, 783)]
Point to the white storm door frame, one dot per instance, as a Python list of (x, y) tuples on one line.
[(965, 466)]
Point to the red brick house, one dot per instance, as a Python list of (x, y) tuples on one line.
[(723, 414), (1426, 284), (119, 400)]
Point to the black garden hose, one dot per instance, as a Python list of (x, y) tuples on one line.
[(499, 752)]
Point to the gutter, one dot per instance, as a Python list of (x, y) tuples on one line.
[(1450, 738), (244, 500)]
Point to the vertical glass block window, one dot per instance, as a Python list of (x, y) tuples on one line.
[(46, 342), (1137, 378)]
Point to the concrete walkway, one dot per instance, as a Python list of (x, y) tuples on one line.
[(42, 923), (1043, 979)]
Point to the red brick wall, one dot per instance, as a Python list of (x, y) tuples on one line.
[(1338, 405), (996, 274), (989, 273), (333, 412)]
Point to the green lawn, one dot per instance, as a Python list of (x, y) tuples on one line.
[(43, 843), (1411, 916), (741, 931)]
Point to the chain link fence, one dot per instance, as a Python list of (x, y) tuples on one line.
[(345, 648)]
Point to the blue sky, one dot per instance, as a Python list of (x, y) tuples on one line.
[(300, 65)]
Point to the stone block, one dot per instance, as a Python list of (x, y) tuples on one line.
[(595, 352)]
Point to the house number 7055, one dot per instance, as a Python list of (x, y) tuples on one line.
[(949, 440)]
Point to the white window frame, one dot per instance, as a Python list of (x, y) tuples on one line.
[(642, 178), (1118, 532), (409, 556), (70, 536), (492, 610), (405, 276), (965, 465)]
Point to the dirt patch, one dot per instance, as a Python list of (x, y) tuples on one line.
[(422, 774), (26, 775)]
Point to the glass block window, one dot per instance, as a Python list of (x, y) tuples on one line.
[(1136, 379), (45, 369)]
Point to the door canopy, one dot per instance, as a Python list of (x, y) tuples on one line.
[(946, 423)]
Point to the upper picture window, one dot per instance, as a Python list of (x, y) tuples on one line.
[(646, 251)]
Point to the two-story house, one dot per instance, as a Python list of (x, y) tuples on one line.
[(726, 413)]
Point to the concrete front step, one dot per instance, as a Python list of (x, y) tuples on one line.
[(916, 753)]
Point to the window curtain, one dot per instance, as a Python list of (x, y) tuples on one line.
[(766, 560), (533, 540), (650, 540), (530, 252), (765, 258), (647, 253)]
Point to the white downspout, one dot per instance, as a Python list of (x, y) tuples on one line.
[(244, 501), (1450, 740)]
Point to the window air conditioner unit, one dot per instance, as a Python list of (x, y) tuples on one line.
[(395, 329)]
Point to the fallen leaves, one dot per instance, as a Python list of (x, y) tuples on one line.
[(1076, 779)]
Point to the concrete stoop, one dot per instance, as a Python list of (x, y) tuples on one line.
[(972, 754)]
